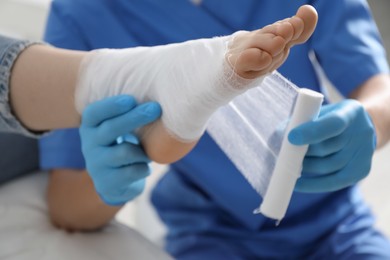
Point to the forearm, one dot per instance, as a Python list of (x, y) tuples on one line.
[(73, 202), (42, 87), (374, 94)]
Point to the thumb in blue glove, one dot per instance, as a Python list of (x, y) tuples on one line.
[(341, 145), (114, 158)]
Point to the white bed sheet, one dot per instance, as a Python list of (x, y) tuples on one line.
[(26, 233)]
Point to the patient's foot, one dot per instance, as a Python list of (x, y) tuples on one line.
[(254, 54), (251, 55)]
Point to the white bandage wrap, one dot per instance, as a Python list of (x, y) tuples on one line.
[(190, 80)]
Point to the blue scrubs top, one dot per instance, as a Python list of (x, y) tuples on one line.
[(204, 200)]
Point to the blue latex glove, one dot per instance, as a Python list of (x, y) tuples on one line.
[(341, 145), (114, 159)]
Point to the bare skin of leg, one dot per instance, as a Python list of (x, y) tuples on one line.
[(252, 54), (42, 87)]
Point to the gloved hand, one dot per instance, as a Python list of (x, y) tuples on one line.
[(117, 166), (341, 145)]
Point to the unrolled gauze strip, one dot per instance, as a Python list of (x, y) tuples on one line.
[(251, 130)]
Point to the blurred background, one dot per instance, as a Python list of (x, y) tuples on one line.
[(26, 19)]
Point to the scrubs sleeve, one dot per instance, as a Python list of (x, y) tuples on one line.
[(9, 52), (62, 30), (347, 43), (62, 148)]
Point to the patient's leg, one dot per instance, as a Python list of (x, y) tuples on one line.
[(191, 80)]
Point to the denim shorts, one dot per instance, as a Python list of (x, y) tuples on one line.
[(9, 51)]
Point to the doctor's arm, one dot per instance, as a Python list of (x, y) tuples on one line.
[(343, 139), (374, 95), (83, 200), (73, 202)]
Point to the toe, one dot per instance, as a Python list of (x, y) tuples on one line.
[(254, 60), (298, 27), (256, 53), (282, 28), (309, 18), (269, 42), (278, 60)]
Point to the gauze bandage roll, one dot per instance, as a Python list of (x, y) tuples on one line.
[(190, 80), (252, 131), (289, 162)]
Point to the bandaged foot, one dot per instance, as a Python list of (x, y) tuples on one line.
[(192, 79)]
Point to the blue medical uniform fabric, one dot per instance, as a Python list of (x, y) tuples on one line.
[(61, 149), (204, 200)]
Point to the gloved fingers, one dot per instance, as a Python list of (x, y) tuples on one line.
[(357, 168), (129, 138), (326, 165), (124, 194), (326, 109), (99, 111), (319, 130), (326, 183), (330, 146), (114, 179), (333, 162), (111, 129), (318, 184), (124, 154), (346, 108), (133, 189), (333, 120), (306, 174)]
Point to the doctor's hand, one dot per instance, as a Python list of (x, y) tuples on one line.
[(114, 158), (341, 145)]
